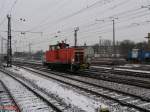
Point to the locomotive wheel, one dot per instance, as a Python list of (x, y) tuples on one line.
[(74, 68)]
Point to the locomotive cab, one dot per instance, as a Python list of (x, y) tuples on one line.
[(79, 57), (79, 61)]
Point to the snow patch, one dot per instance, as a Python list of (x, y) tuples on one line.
[(68, 95), (130, 70)]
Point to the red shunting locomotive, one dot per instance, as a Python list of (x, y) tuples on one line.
[(63, 57)]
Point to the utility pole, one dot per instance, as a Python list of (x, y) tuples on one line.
[(114, 46), (15, 42), (9, 48), (148, 41), (30, 50), (1, 50), (75, 36), (100, 43), (2, 46), (114, 42)]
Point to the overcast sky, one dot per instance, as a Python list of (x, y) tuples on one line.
[(53, 16)]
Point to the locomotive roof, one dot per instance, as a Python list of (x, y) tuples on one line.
[(53, 45)]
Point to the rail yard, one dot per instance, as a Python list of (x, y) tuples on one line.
[(74, 56), (96, 86)]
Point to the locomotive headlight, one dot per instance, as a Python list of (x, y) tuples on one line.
[(88, 60), (72, 60)]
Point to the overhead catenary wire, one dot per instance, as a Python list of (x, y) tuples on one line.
[(119, 28), (133, 15), (2, 6), (121, 20), (72, 14), (130, 11), (109, 24), (49, 15), (98, 32), (110, 8), (12, 7), (98, 1), (125, 19), (9, 12)]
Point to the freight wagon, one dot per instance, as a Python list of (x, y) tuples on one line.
[(137, 55)]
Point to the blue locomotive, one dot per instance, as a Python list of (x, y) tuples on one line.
[(138, 55)]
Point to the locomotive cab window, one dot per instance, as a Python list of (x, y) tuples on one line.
[(79, 57)]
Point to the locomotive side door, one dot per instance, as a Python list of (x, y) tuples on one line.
[(79, 56)]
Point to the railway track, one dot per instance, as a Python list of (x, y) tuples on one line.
[(29, 95), (135, 74), (7, 102), (122, 77), (107, 69), (118, 77), (107, 77), (122, 71), (131, 101), (94, 81)]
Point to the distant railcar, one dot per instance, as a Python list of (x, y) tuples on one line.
[(61, 56), (137, 55)]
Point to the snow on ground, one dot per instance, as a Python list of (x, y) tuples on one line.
[(139, 91), (130, 65), (68, 95), (25, 99), (130, 70)]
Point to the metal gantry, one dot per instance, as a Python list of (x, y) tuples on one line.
[(9, 48)]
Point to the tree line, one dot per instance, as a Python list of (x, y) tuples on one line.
[(122, 47)]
